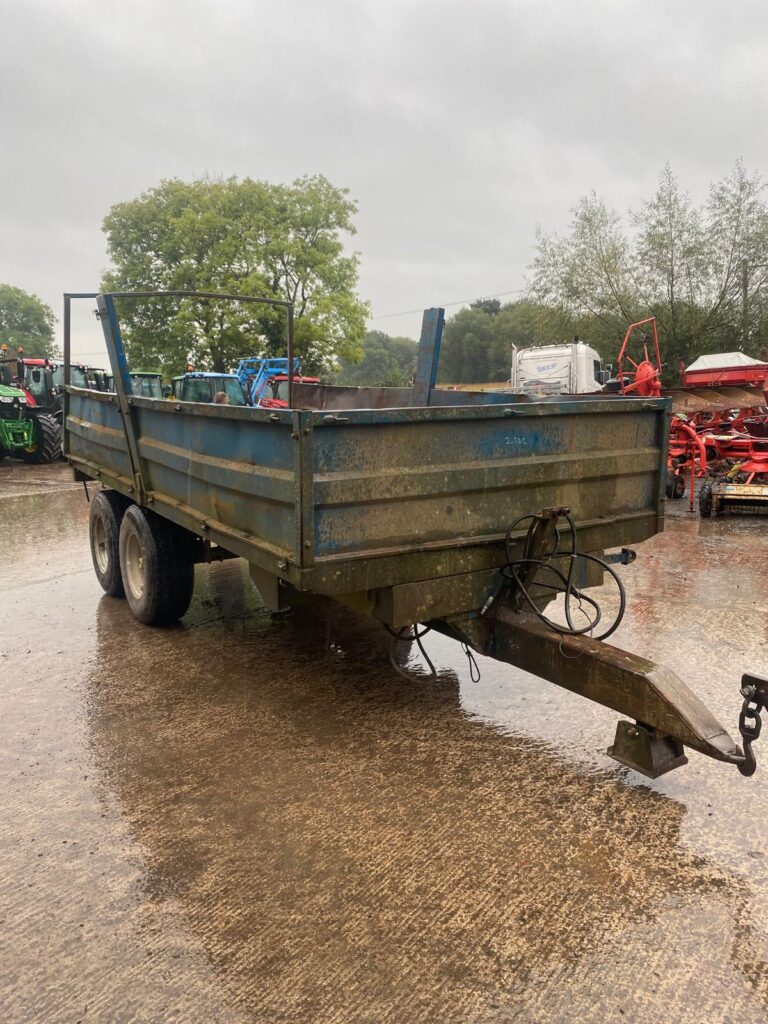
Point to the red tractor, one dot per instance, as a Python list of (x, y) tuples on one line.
[(42, 380), (274, 392)]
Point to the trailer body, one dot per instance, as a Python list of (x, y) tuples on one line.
[(372, 499)]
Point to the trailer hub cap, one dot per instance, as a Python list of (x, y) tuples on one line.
[(134, 566), (100, 544)]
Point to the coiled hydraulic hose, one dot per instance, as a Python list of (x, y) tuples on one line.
[(525, 572)]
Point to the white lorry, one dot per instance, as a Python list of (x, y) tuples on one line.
[(569, 369)]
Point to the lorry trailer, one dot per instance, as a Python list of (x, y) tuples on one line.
[(469, 514)]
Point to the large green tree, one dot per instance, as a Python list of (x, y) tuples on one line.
[(675, 259), (25, 320), (245, 237), (386, 362)]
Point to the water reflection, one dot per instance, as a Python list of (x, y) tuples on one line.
[(348, 844), (59, 515)]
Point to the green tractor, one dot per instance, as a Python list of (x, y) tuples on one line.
[(35, 378), (17, 430)]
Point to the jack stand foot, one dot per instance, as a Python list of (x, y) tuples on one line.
[(646, 751)]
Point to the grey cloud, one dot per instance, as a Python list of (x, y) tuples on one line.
[(457, 126)]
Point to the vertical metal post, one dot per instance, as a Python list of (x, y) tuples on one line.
[(428, 356), (67, 336), (123, 388), (663, 424), (513, 369), (67, 326), (290, 356), (744, 300)]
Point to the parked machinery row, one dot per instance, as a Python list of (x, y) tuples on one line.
[(31, 395), (719, 428)]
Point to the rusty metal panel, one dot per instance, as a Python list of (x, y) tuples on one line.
[(233, 467), (94, 432), (381, 497), (443, 597), (714, 399), (371, 570), (229, 469), (401, 479), (337, 397)]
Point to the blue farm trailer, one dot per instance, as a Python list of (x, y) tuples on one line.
[(464, 512)]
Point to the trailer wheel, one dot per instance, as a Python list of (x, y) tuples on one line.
[(675, 485), (157, 565), (107, 511), (705, 501)]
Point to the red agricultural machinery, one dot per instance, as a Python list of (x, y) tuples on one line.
[(645, 377), (719, 426)]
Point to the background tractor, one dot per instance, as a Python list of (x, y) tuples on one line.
[(35, 379), (16, 427), (203, 387), (144, 383)]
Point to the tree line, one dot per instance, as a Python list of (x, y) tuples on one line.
[(701, 268), (27, 322)]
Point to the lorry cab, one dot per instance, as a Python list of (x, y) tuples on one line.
[(571, 369), (203, 387)]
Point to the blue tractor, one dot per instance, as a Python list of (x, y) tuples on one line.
[(208, 387), (255, 373), (257, 381)]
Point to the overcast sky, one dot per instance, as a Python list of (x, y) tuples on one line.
[(457, 126)]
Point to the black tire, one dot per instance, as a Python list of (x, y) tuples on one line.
[(107, 511), (705, 501), (46, 445), (675, 485), (157, 567)]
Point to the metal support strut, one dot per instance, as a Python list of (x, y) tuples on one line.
[(661, 705), (667, 715)]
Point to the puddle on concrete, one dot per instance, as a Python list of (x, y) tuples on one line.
[(254, 818)]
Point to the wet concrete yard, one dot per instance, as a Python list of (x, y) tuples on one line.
[(255, 818)]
